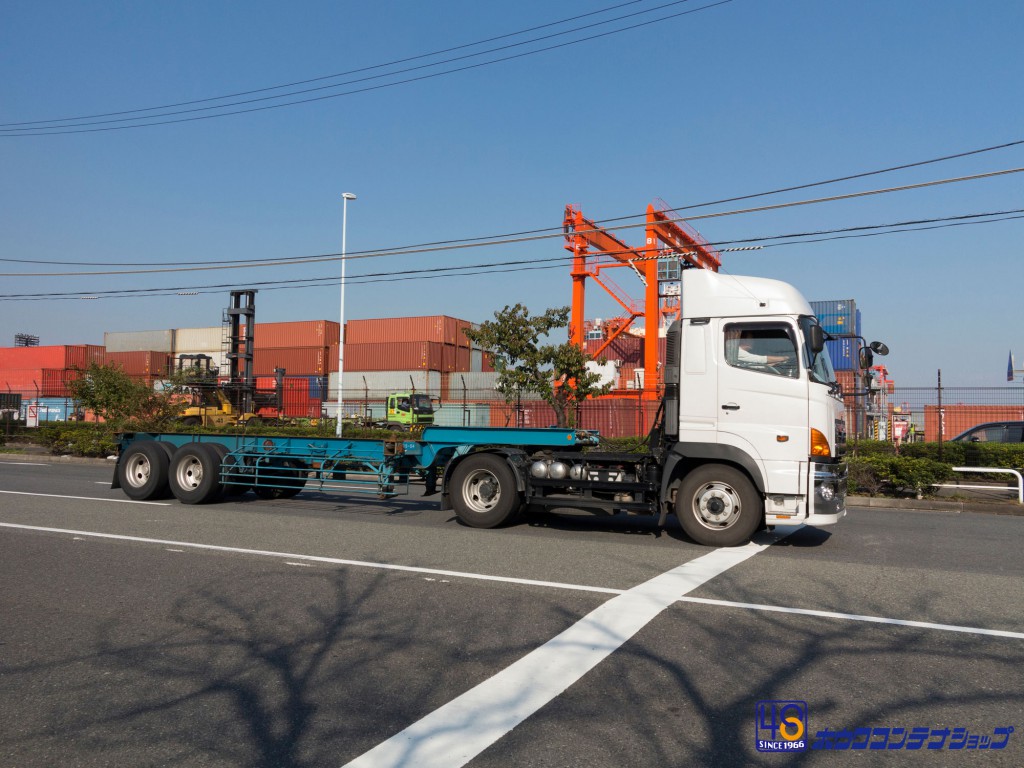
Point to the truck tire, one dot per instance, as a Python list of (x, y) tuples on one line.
[(142, 470), (483, 491), (718, 506), (288, 473), (191, 421), (195, 474), (228, 463)]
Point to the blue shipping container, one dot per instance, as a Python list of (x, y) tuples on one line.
[(839, 316), (318, 387), (843, 353)]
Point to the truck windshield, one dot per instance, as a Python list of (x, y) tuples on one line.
[(421, 404), (820, 365)]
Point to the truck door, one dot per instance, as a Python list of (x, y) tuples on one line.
[(762, 398)]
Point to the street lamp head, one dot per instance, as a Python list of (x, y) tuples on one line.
[(348, 196)]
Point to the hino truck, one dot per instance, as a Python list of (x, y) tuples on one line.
[(749, 435)]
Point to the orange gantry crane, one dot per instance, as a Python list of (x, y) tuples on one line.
[(596, 250)]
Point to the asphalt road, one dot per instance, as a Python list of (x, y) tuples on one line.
[(323, 631)]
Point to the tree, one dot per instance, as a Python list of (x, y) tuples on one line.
[(557, 372), (120, 399)]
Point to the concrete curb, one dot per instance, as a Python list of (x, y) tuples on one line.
[(994, 507)]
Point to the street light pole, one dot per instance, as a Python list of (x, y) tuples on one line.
[(345, 197)]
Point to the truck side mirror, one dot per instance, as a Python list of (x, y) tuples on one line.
[(867, 359), (817, 339)]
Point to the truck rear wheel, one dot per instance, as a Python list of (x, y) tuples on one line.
[(234, 469), (483, 491), (718, 506), (195, 474), (142, 471)]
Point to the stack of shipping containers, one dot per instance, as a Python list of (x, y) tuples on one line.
[(840, 317), (428, 354), (41, 375), (303, 350)]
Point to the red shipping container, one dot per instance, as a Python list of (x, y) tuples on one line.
[(24, 380), (437, 328), (151, 364), (301, 333), (462, 359), (448, 358), (399, 356), (461, 340), (54, 357), (627, 348), (296, 361), (55, 381)]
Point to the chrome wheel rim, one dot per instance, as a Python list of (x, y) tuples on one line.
[(481, 491), (717, 506), (189, 473), (137, 470)]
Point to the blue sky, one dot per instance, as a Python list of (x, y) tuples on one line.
[(745, 97)]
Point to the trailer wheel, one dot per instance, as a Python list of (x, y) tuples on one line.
[(195, 474), (288, 473), (142, 471), (483, 491), (233, 466), (718, 506)]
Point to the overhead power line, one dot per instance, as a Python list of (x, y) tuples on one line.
[(321, 78), (37, 128), (291, 261), (531, 264)]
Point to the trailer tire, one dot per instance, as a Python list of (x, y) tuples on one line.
[(230, 462), (195, 474), (483, 491), (718, 506), (142, 470), (284, 472)]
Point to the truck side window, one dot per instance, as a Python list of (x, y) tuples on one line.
[(762, 347)]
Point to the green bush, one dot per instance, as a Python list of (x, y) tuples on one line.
[(95, 440), (897, 475)]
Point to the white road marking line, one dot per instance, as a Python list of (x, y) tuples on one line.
[(304, 565), (856, 617), (524, 582), (460, 730), (318, 559), (25, 463), (89, 498)]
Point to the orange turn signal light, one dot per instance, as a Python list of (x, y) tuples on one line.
[(819, 444)]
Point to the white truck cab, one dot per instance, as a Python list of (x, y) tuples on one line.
[(754, 389)]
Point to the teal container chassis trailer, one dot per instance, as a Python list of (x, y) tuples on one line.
[(487, 474)]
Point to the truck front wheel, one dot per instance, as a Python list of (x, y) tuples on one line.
[(718, 506), (483, 491)]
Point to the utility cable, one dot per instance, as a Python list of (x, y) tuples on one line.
[(377, 254), (43, 131), (321, 78), (523, 265)]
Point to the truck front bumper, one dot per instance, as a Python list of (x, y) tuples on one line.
[(828, 498)]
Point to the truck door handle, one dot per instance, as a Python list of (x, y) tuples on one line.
[(730, 407)]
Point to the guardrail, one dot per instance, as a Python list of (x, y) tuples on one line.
[(984, 470)]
